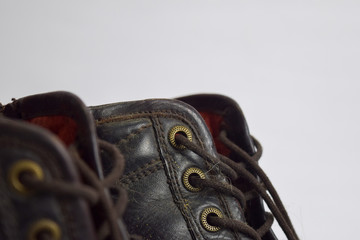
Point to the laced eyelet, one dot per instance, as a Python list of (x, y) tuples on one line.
[(204, 218), (186, 176), (21, 167), (179, 130), (44, 226)]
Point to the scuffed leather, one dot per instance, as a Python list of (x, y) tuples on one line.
[(160, 207)]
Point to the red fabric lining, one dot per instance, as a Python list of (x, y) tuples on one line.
[(64, 127), (213, 122)]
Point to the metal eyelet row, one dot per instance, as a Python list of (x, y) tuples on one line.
[(47, 226), (194, 171)]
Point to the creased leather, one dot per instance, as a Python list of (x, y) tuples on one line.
[(160, 207)]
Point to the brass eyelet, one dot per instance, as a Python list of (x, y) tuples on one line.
[(187, 174), (20, 167), (204, 218), (44, 225), (179, 130)]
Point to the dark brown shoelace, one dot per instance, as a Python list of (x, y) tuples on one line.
[(94, 192), (234, 170)]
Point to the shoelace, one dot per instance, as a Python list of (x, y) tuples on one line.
[(235, 170), (94, 192)]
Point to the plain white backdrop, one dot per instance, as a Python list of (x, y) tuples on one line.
[(293, 66)]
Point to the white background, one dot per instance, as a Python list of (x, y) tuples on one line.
[(293, 66)]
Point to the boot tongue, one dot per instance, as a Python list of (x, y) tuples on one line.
[(222, 113), (65, 115)]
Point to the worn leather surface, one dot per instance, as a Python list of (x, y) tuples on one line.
[(160, 207), (19, 141), (235, 125)]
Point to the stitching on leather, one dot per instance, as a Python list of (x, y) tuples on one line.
[(193, 125), (174, 185), (141, 172), (223, 203), (133, 134), (143, 114), (180, 201), (227, 212)]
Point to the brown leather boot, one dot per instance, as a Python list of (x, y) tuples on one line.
[(54, 134), (179, 186)]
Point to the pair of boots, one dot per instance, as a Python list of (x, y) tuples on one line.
[(151, 169)]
